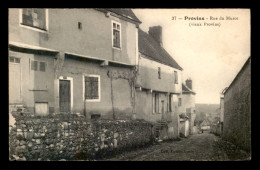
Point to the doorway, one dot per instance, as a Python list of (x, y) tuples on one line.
[(14, 80), (65, 96)]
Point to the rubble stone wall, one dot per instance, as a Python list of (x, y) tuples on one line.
[(72, 137)]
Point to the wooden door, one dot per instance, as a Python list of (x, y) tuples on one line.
[(65, 96), (162, 106), (14, 81)]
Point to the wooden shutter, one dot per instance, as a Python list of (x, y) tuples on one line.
[(91, 87), (170, 102), (42, 66), (34, 65), (153, 103), (87, 88), (95, 88), (157, 103)]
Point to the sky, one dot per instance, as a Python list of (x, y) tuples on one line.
[(210, 55)]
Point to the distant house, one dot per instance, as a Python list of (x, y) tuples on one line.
[(184, 125), (159, 83), (237, 109), (186, 103), (205, 125), (222, 110), (187, 97), (73, 61)]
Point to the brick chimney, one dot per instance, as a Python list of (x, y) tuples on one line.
[(189, 83), (156, 33)]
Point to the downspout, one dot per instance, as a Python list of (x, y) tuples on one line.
[(112, 98)]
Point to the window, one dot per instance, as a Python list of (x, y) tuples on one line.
[(116, 34), (170, 102), (34, 65), (95, 116), (14, 60), (42, 66), (159, 73), (175, 77), (179, 102), (92, 84), (79, 25), (35, 18), (38, 66), (156, 103)]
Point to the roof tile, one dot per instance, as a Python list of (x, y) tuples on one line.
[(152, 49)]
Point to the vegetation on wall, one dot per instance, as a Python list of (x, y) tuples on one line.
[(72, 137)]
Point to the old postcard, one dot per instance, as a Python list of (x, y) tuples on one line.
[(121, 84)]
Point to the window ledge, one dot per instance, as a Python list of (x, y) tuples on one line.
[(33, 28), (117, 48), (94, 100), (38, 90)]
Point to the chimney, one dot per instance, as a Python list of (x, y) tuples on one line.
[(189, 83), (156, 33)]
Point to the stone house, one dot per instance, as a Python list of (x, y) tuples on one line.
[(73, 61), (95, 62), (159, 83), (184, 126), (186, 104), (237, 109), (222, 110), (205, 125)]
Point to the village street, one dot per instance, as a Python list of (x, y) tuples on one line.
[(197, 147)]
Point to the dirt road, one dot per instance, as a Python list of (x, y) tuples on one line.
[(198, 147)]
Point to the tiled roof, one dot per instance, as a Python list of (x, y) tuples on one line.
[(186, 89), (153, 50), (125, 12)]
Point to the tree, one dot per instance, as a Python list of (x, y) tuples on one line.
[(200, 117)]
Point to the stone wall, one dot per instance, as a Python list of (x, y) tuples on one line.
[(215, 129), (72, 137), (237, 109)]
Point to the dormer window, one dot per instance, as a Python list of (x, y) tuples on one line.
[(35, 18), (116, 33)]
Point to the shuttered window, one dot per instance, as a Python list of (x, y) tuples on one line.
[(91, 87), (34, 65), (34, 18), (170, 102), (14, 60), (156, 103), (42, 66), (38, 66)]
